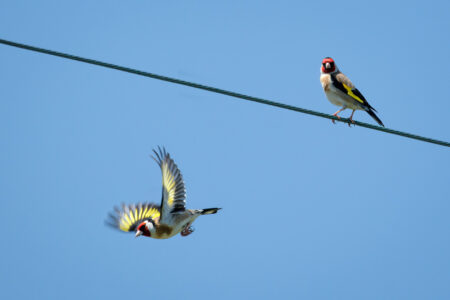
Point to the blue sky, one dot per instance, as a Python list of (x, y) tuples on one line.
[(311, 210)]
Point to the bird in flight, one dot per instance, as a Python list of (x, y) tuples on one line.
[(341, 92), (170, 217)]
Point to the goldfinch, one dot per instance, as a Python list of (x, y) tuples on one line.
[(170, 217), (341, 92)]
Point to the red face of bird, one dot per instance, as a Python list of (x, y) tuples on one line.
[(328, 65), (143, 229)]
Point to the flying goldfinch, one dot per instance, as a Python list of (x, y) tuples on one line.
[(341, 92), (167, 219)]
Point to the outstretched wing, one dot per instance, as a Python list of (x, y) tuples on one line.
[(128, 217), (342, 83), (173, 190)]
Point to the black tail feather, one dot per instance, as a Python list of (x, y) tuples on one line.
[(209, 211), (374, 116)]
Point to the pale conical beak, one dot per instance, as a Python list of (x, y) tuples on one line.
[(138, 233), (327, 66)]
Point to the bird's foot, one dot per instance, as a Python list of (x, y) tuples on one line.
[(336, 115), (351, 119), (188, 229)]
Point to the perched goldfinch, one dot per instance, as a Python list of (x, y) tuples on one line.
[(166, 220), (341, 92)]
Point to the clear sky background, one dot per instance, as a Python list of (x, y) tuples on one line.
[(311, 210)]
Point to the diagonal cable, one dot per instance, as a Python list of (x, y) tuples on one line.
[(224, 92)]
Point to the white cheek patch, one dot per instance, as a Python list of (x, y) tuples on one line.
[(149, 226)]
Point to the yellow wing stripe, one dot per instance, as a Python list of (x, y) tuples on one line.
[(169, 184), (154, 213), (145, 211), (125, 223), (127, 219), (351, 94), (133, 216), (140, 213), (124, 227)]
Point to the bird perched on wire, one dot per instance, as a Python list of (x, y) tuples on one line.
[(167, 219), (341, 92)]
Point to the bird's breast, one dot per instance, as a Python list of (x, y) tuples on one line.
[(163, 231), (337, 97), (325, 80), (174, 226), (334, 97)]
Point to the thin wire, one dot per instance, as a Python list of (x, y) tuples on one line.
[(224, 92)]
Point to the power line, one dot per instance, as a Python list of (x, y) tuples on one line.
[(224, 92)]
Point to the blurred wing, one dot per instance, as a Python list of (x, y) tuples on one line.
[(129, 217), (173, 190)]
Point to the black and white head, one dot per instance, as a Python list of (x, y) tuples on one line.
[(146, 228)]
